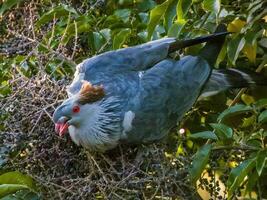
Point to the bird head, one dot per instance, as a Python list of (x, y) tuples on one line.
[(76, 110)]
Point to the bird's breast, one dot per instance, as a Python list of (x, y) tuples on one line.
[(74, 136)]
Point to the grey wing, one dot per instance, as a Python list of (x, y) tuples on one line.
[(167, 91), (137, 58)]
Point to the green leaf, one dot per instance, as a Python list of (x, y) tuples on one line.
[(250, 50), (261, 161), (106, 34), (251, 181), (221, 55), (236, 25), (98, 40), (262, 103), (234, 110), (247, 99), (22, 195), (123, 14), (248, 121), (83, 24), (17, 178), (182, 9), (6, 5), (238, 174), (263, 117), (6, 189), (204, 135), (222, 131), (169, 15), (144, 5), (155, 16), (175, 29), (234, 47), (59, 11), (212, 5), (199, 162), (120, 38), (12, 182)]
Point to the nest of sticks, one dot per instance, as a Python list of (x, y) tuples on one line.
[(65, 171)]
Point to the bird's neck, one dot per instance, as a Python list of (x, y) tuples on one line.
[(102, 127)]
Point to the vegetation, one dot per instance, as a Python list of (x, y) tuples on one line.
[(218, 151)]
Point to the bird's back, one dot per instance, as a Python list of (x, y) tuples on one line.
[(166, 91)]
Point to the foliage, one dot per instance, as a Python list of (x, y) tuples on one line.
[(14, 185), (228, 140)]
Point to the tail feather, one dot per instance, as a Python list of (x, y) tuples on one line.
[(211, 50), (213, 47), (224, 79), (215, 37)]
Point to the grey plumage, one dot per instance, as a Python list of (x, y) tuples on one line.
[(146, 93)]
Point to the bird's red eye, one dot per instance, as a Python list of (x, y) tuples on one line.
[(76, 109)]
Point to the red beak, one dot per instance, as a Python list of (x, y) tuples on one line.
[(61, 128)]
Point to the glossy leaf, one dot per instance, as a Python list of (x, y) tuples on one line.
[(59, 11), (234, 110), (155, 16), (236, 25), (180, 150), (12, 182), (106, 33), (169, 15), (222, 131), (22, 195), (248, 121), (204, 135), (251, 181), (262, 103), (8, 4), (182, 9), (144, 5), (261, 161), (247, 99), (120, 38), (221, 55), (263, 117), (82, 27), (96, 41), (175, 29), (234, 47), (16, 178), (123, 14), (212, 5), (250, 51), (6, 189), (238, 174), (199, 163)]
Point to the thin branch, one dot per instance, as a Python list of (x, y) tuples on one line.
[(75, 41), (58, 55)]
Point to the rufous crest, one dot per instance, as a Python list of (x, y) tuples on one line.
[(90, 93)]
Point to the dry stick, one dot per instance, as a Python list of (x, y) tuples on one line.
[(238, 96), (46, 183), (75, 41), (59, 55), (64, 34), (53, 30), (37, 121), (32, 24), (100, 170)]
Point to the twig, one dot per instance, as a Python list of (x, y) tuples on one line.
[(75, 41), (59, 55)]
